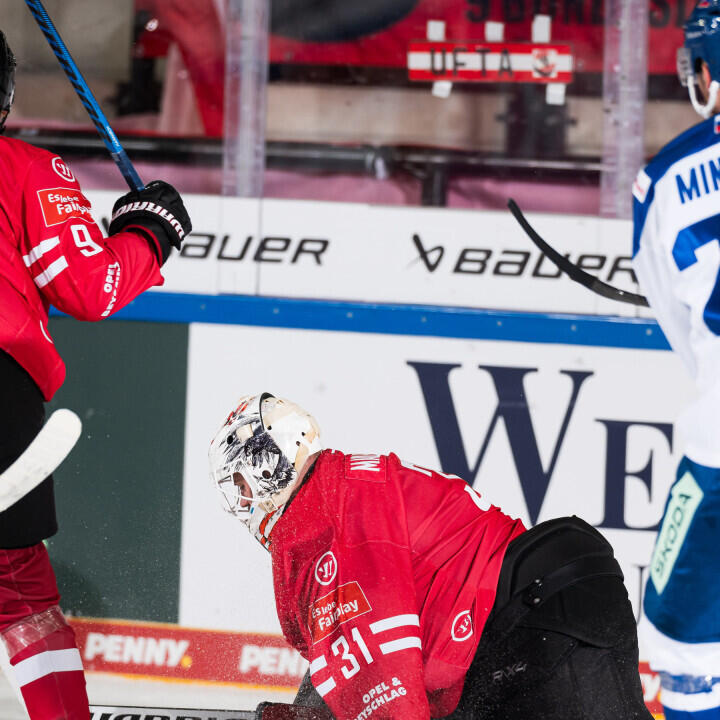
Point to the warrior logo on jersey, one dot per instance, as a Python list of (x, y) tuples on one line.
[(59, 204), (62, 169), (462, 628), (326, 568)]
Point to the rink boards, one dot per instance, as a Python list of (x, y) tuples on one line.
[(546, 414)]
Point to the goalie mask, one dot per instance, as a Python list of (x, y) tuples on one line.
[(702, 42), (256, 456), (7, 79)]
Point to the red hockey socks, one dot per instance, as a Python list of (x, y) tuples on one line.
[(47, 667), (40, 643)]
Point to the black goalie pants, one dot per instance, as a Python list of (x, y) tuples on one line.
[(561, 641), (22, 415)]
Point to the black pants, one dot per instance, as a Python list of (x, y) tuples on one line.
[(563, 648), (22, 414)]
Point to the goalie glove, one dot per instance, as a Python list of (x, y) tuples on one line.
[(157, 212)]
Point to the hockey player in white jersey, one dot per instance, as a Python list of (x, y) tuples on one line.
[(676, 249)]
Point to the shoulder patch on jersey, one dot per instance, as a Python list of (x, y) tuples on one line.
[(330, 611), (59, 204), (641, 186), (62, 169), (365, 467)]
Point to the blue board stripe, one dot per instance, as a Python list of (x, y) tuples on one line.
[(603, 331)]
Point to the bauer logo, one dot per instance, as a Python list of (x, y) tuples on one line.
[(327, 613), (62, 170), (59, 204), (326, 568)]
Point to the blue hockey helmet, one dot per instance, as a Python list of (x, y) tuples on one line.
[(702, 43), (7, 79)]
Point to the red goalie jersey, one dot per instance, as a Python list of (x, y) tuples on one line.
[(384, 576), (53, 253)]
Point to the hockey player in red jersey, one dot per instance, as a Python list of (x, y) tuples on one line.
[(53, 253), (412, 597)]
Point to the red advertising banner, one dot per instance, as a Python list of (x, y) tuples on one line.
[(171, 652), (489, 62), (378, 33)]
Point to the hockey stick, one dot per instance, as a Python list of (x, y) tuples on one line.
[(571, 269), (44, 454), (117, 152)]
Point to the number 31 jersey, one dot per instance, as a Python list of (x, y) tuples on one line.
[(676, 255), (384, 576), (53, 253)]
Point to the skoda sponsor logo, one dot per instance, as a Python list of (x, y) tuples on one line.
[(462, 628), (326, 568)]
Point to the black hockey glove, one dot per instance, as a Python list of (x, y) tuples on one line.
[(157, 212)]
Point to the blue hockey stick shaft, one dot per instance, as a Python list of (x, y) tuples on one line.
[(117, 152)]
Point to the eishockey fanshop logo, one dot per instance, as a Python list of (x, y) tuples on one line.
[(147, 206)]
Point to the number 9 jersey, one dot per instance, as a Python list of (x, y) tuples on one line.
[(676, 255), (53, 253)]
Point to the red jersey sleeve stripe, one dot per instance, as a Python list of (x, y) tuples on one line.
[(53, 270), (40, 249)]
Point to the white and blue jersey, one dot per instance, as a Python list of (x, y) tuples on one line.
[(676, 256)]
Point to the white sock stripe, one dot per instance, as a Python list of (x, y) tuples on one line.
[(324, 688), (40, 249), (42, 664), (393, 622), (53, 270), (402, 644)]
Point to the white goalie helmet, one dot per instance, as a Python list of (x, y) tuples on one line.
[(267, 441)]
